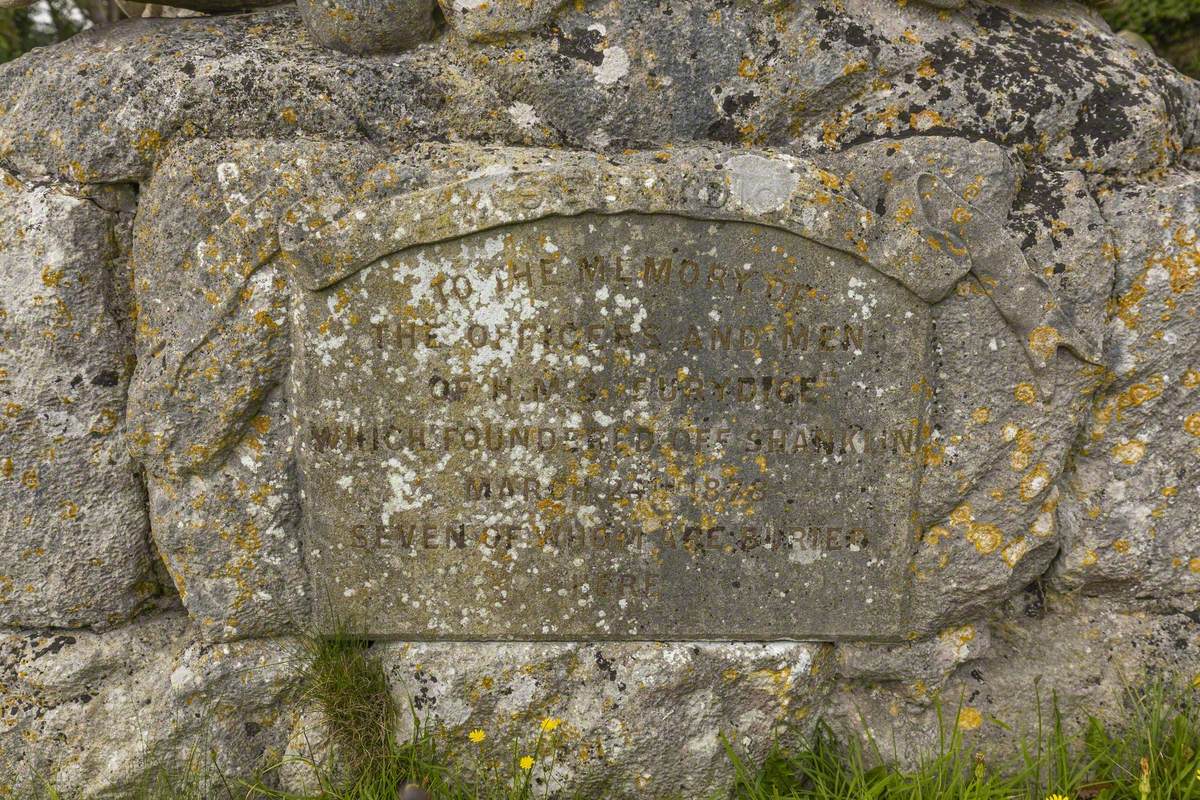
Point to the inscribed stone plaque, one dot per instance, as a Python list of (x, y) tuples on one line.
[(613, 426)]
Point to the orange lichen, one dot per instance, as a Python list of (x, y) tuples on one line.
[(1025, 393), (1130, 452), (985, 536)]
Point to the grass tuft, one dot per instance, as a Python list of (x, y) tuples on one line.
[(350, 690)]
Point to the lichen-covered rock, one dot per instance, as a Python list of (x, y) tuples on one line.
[(1022, 180), (97, 714), (928, 661), (804, 76), (207, 410), (1000, 430), (608, 724), (611, 700), (285, 85), (228, 537), (73, 526), (481, 19), (1083, 653), (217, 6), (368, 26), (1130, 500)]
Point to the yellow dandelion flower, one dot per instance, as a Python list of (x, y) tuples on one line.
[(550, 723), (969, 719), (1057, 797), (526, 762), (476, 736)]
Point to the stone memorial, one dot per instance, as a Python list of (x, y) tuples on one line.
[(668, 368), (668, 415)]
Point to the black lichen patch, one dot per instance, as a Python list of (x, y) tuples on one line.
[(605, 666), (580, 44), (54, 646), (105, 378), (725, 128), (840, 29), (1021, 69), (1039, 203)]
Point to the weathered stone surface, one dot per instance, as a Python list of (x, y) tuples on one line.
[(482, 19), (820, 76), (251, 76), (368, 26), (1086, 652), (1000, 430), (608, 745), (98, 713), (210, 351), (703, 425), (607, 698), (217, 6), (1013, 175), (212, 324), (1130, 501), (999, 433), (73, 548), (207, 406), (928, 661), (355, 437), (228, 537), (1136, 40), (154, 10)]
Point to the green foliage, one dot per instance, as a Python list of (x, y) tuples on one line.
[(424, 760), (339, 677), (1171, 26), (826, 769), (19, 32), (1150, 17)]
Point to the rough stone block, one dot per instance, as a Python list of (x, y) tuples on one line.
[(612, 740), (1131, 500), (97, 714), (480, 19), (73, 524), (1086, 654), (1007, 189)]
